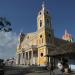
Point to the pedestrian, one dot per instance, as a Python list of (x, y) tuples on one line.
[(60, 65)]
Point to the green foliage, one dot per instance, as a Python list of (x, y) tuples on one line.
[(1, 63), (5, 25), (1, 60)]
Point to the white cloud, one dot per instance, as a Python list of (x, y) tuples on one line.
[(8, 43)]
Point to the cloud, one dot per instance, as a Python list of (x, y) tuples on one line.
[(8, 43)]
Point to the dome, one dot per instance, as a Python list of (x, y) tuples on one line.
[(67, 37)]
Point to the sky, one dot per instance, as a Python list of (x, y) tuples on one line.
[(23, 17)]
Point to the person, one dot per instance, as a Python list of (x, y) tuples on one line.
[(60, 66)]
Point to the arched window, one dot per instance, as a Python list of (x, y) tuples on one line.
[(40, 13), (47, 12), (40, 23), (47, 21), (49, 35), (41, 39), (40, 36), (41, 54)]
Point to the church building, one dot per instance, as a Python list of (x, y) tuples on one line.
[(34, 47)]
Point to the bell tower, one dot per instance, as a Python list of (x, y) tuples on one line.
[(45, 34), (44, 23)]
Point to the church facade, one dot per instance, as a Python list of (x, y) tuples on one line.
[(33, 47)]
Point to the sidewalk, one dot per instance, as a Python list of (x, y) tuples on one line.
[(55, 72)]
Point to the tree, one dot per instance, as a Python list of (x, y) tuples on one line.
[(5, 25), (1, 67)]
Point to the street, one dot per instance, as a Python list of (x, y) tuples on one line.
[(48, 73), (27, 71), (34, 73)]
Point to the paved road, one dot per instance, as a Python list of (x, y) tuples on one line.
[(9, 70), (55, 72), (47, 73), (15, 72), (25, 71)]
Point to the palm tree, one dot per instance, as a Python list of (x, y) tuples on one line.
[(5, 25)]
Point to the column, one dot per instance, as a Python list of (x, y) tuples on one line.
[(38, 58), (18, 59), (25, 58), (48, 60), (28, 59), (17, 56), (32, 57), (21, 58)]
